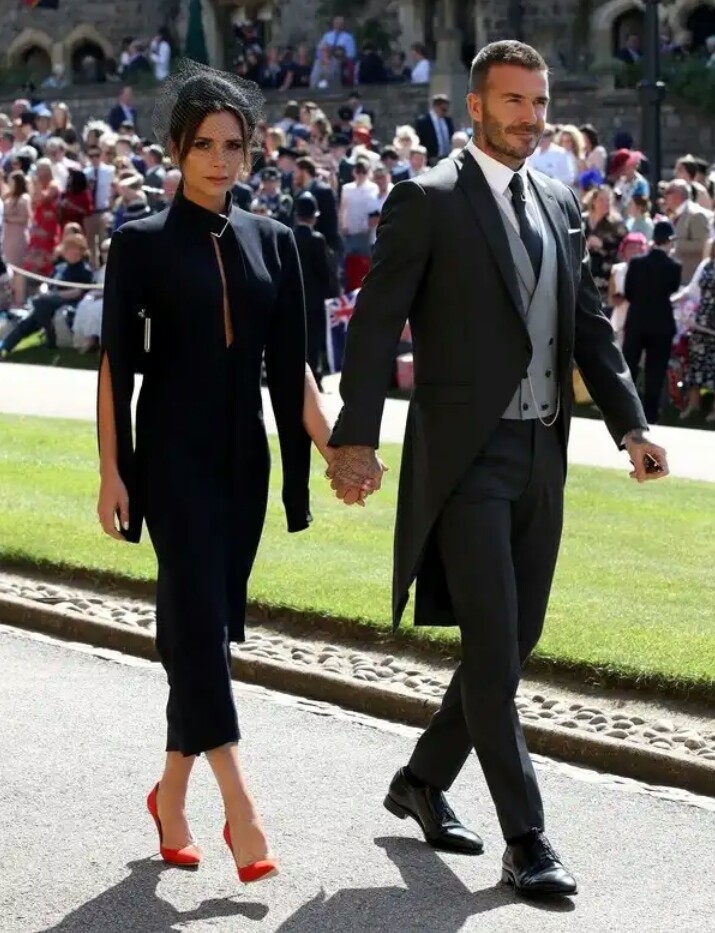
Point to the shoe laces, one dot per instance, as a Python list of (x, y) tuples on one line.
[(442, 808), (544, 851)]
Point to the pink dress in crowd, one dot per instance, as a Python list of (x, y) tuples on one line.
[(16, 223)]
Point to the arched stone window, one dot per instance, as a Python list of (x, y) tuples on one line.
[(31, 51)]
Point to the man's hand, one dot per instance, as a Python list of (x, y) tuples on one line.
[(355, 472), (649, 461)]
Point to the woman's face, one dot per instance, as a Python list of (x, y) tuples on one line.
[(44, 175), (60, 117), (306, 115), (602, 202), (566, 142), (215, 159)]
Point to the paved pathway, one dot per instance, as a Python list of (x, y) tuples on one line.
[(81, 735), (70, 393)]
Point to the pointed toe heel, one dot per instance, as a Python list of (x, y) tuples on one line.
[(256, 871), (186, 857)]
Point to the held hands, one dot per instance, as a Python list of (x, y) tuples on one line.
[(648, 460), (355, 473), (113, 501)]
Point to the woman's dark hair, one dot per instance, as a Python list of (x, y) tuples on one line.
[(18, 184), (163, 34), (194, 93), (76, 182), (642, 202), (506, 52), (589, 131)]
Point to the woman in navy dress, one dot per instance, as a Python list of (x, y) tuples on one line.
[(195, 298)]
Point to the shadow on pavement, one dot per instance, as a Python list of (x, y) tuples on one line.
[(433, 899), (116, 910)]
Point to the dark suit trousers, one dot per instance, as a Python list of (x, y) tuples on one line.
[(498, 538), (657, 356)]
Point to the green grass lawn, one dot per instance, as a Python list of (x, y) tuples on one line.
[(634, 594)]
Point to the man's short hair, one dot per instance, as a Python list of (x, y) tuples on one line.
[(389, 152), (418, 150), (506, 52), (156, 151), (362, 167), (308, 165), (440, 99)]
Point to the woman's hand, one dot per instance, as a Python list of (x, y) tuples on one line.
[(113, 499)]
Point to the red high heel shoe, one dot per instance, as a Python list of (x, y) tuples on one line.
[(189, 856), (256, 871)]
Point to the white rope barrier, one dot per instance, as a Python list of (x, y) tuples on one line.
[(93, 287)]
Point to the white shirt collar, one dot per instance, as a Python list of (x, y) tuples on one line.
[(680, 209), (497, 174)]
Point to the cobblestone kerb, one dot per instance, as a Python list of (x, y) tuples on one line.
[(658, 751)]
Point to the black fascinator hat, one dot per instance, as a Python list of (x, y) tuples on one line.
[(195, 91)]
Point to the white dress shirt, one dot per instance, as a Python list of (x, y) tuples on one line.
[(103, 190), (421, 72), (498, 178), (556, 163)]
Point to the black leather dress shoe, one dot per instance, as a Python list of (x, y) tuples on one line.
[(429, 807), (534, 869)]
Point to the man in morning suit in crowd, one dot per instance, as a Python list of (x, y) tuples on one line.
[(650, 324), (435, 129), (480, 501), (319, 278)]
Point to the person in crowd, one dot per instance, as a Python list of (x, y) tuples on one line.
[(298, 70), (45, 225), (604, 231), (632, 244), (57, 154), (631, 52), (326, 73), (418, 161), (691, 223), (43, 127), (346, 67), (596, 156), (629, 180), (699, 374), (305, 179), (319, 280), (651, 280), (435, 129), (87, 324), (552, 159), (201, 480), (421, 67), (133, 203), (62, 127), (397, 70), (156, 173), (278, 203), (123, 110), (338, 37), (15, 229), (357, 202), (383, 181), (371, 66), (76, 202), (160, 54), (460, 140), (572, 140), (271, 73), (73, 268), (639, 219)]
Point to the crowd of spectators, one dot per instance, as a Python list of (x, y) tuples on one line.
[(66, 187)]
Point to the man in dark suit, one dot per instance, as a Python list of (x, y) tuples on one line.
[(489, 263), (319, 278), (435, 129), (122, 111), (305, 178), (650, 324)]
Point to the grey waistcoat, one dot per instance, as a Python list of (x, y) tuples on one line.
[(540, 305)]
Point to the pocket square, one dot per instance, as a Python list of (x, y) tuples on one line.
[(574, 230)]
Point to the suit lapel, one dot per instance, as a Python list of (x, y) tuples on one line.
[(479, 195)]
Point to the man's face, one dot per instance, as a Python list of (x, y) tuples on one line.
[(680, 172), (339, 23), (72, 253), (672, 199), (634, 43), (300, 178), (510, 112), (442, 108), (381, 179), (42, 124), (269, 186), (418, 160), (126, 95)]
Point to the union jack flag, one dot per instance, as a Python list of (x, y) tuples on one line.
[(338, 312), (43, 4)]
